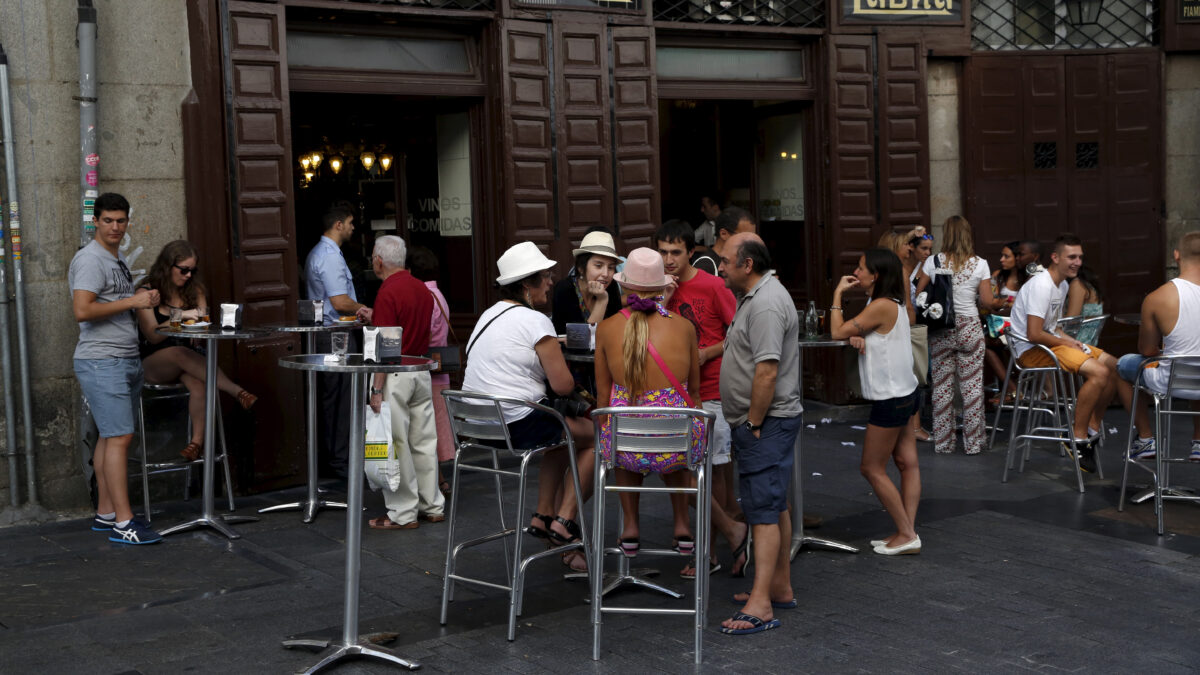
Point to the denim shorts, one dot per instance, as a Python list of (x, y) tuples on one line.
[(1129, 366), (720, 433), (113, 389), (765, 467), (894, 412)]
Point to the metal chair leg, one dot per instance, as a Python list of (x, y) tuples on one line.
[(225, 458), (447, 581), (145, 472)]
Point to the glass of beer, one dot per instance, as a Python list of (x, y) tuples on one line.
[(821, 314), (202, 314), (176, 318)]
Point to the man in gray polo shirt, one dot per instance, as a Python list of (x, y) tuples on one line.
[(107, 364), (760, 396)]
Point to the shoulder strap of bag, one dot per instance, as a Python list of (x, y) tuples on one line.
[(662, 365), (446, 318), (485, 327)]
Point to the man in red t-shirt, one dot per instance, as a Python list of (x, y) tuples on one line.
[(704, 300), (404, 301)]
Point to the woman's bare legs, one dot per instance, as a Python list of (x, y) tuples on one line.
[(630, 501), (195, 389), (880, 444), (905, 458), (166, 365)]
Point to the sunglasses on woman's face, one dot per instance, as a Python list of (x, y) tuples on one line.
[(185, 271)]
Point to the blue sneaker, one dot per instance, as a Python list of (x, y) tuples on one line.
[(136, 532), (103, 524), (1142, 448), (1194, 456)]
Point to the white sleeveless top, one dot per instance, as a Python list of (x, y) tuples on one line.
[(1184, 338), (886, 366)]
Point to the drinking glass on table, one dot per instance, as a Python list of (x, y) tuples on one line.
[(340, 342), (202, 314), (176, 318), (821, 322)]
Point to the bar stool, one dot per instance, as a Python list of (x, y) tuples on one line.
[(1183, 383), (475, 418), (1090, 326), (651, 430), (157, 393), (1031, 397)]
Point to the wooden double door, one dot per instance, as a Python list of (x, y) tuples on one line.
[(1071, 143)]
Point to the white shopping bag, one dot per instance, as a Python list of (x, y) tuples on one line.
[(381, 466)]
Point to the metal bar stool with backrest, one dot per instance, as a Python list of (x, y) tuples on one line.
[(476, 418), (1087, 326), (1183, 383), (157, 393), (651, 430), (1056, 404)]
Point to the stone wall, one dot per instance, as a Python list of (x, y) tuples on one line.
[(945, 160), (1182, 150), (143, 74)]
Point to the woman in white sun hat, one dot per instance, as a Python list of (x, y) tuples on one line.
[(513, 351), (588, 294)]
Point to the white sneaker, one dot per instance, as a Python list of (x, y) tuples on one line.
[(1143, 448), (1194, 456)]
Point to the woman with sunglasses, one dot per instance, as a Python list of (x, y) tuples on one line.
[(167, 360)]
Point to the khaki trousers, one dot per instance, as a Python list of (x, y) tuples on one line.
[(409, 396)]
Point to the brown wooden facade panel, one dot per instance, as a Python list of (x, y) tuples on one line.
[(904, 134), (635, 135), (852, 186), (527, 163)]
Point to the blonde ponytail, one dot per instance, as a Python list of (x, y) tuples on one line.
[(634, 350)]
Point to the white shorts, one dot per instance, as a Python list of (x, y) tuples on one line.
[(720, 433)]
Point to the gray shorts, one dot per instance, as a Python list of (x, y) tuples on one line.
[(113, 389), (720, 433)]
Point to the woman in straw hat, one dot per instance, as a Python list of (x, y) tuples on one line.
[(514, 352), (588, 294), (644, 357)]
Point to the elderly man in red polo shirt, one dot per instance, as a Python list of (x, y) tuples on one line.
[(404, 301)]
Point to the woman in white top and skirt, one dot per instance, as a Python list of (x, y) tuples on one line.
[(881, 334)]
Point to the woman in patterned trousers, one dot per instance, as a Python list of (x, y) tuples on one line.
[(958, 352)]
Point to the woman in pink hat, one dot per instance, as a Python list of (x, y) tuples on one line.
[(646, 356)]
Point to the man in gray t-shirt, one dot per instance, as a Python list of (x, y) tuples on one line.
[(107, 364), (760, 396)]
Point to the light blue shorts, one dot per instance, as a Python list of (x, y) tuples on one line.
[(113, 389)]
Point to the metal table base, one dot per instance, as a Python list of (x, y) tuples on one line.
[(799, 538), (208, 516), (351, 644), (312, 502)]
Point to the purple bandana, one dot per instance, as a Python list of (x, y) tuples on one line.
[(640, 304)]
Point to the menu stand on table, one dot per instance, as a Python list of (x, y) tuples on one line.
[(351, 644), (799, 538), (312, 502), (208, 516)]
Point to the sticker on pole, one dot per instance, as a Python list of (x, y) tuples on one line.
[(92, 178), (92, 160)]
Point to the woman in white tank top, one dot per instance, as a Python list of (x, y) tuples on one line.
[(885, 362)]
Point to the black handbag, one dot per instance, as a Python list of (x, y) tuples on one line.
[(935, 305), (447, 357)]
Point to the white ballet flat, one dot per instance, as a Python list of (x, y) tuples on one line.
[(911, 548)]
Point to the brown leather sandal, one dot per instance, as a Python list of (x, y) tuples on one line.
[(246, 399), (192, 452)]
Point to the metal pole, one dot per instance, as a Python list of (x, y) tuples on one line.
[(89, 160), (10, 407), (14, 234)]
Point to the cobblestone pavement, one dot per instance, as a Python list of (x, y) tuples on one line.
[(1024, 576)]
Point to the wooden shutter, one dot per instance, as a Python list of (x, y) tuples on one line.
[(903, 134), (529, 138), (582, 116), (994, 151), (851, 149), (635, 135), (263, 236)]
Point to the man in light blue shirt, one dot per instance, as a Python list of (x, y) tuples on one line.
[(327, 278)]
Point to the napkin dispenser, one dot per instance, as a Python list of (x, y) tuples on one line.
[(383, 344), (231, 315), (579, 337), (310, 312), (370, 336)]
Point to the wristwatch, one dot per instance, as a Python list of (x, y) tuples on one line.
[(376, 391), (752, 427)]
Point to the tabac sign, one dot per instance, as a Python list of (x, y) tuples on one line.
[(902, 11)]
